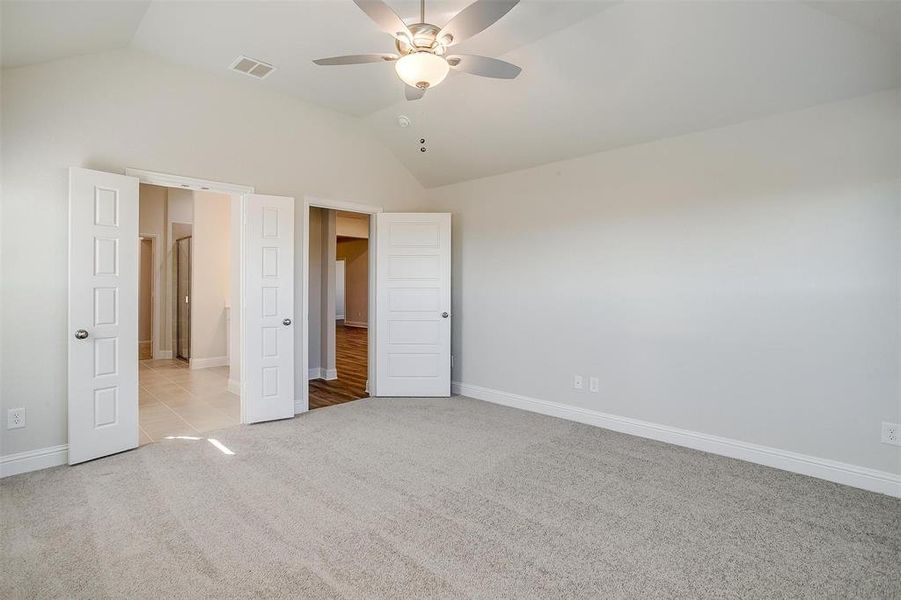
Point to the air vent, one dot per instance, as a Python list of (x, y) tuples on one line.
[(252, 67)]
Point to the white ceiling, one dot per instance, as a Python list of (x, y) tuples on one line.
[(596, 74), (33, 32)]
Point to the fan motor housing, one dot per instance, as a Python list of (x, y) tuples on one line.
[(424, 39)]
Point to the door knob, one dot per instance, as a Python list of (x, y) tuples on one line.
[(444, 315), (286, 322), (80, 334)]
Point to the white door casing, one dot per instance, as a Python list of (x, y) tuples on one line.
[(413, 304), (103, 311), (268, 363)]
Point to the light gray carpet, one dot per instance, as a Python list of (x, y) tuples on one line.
[(439, 499)]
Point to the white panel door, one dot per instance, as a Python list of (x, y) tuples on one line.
[(413, 303), (268, 390), (103, 314)]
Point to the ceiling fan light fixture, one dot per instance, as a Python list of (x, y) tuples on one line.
[(422, 70)]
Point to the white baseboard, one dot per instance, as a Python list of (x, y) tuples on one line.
[(360, 324), (339, 317), (161, 354), (830, 470), (42, 458), (299, 407), (322, 373), (234, 386), (206, 363)]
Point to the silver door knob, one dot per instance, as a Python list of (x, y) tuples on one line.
[(286, 322), (444, 315), (80, 334)]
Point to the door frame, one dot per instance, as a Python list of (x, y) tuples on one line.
[(205, 185), (302, 404)]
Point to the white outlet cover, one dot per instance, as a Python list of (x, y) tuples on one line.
[(594, 384), (15, 418), (577, 382), (891, 433)]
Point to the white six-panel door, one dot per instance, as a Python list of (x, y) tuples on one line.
[(103, 326), (413, 303), (268, 371)]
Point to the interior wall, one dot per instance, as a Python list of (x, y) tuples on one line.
[(211, 276), (327, 350), (741, 282), (350, 224), (145, 292), (152, 221), (119, 109), (321, 347), (355, 253), (315, 276), (234, 304)]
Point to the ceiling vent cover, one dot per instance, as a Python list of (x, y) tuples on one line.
[(252, 67)]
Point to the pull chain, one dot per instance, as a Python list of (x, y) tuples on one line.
[(422, 11)]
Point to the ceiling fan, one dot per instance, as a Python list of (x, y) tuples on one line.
[(422, 60)]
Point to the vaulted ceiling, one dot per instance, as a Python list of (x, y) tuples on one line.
[(596, 74)]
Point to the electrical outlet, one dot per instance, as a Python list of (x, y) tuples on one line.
[(577, 382), (891, 433), (15, 418), (594, 385)]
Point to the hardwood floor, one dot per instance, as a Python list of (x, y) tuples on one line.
[(351, 361)]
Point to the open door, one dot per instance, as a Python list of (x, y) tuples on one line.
[(268, 370), (103, 314), (413, 303)]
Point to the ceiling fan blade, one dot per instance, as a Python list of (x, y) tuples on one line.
[(385, 18), (355, 59), (476, 17), (483, 66), (413, 93)]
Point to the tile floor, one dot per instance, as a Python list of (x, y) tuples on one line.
[(176, 400)]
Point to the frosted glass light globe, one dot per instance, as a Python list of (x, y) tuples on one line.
[(421, 70)]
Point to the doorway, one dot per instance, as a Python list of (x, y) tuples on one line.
[(338, 284), (184, 387)]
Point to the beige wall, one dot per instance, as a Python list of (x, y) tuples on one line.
[(234, 283), (349, 224), (321, 349), (152, 221), (356, 289), (145, 287), (211, 253)]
